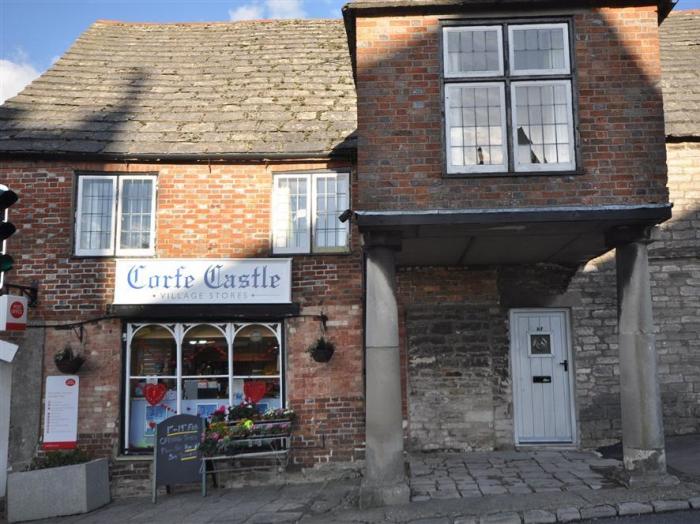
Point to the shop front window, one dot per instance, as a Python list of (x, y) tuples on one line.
[(195, 369)]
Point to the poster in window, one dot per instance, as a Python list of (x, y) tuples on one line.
[(154, 415)]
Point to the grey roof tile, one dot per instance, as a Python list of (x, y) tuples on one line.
[(253, 87)]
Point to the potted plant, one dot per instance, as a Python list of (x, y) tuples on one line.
[(68, 362), (322, 350), (68, 483)]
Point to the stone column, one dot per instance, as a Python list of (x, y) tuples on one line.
[(385, 476), (642, 422)]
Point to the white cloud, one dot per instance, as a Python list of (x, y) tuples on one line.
[(14, 76), (285, 9), (246, 12), (269, 9)]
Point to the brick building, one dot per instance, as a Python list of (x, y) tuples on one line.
[(486, 153)]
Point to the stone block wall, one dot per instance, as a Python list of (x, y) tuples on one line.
[(675, 279), (455, 351)]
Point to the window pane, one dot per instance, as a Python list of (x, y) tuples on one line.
[(473, 51), (153, 352), (539, 139), (332, 199), (481, 139), (291, 223), (96, 208), (538, 49), (265, 392), (150, 401), (255, 352), (204, 351), (136, 213)]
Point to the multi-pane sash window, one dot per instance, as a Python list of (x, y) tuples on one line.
[(305, 212), (508, 98), (115, 215)]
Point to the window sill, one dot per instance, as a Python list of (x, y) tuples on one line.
[(316, 254), (513, 174), (134, 458), (79, 257)]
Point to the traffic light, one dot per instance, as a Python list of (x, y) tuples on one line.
[(7, 229)]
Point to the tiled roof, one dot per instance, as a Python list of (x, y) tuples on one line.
[(253, 88), (680, 62)]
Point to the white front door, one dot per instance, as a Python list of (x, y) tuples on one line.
[(542, 370)]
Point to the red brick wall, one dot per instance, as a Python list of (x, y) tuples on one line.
[(218, 211), (400, 148)]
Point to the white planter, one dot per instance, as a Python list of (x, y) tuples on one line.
[(53, 492)]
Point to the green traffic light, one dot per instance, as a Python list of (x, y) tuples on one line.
[(6, 263)]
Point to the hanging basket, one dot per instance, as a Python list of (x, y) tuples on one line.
[(68, 362), (322, 350)]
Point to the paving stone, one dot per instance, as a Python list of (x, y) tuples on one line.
[(538, 516), (466, 520), (568, 514), (694, 502), (501, 518), (669, 505), (440, 520), (595, 512), (633, 508)]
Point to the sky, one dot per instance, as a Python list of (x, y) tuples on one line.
[(35, 33)]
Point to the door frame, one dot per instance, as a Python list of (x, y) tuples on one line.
[(572, 377)]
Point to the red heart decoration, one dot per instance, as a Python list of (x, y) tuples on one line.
[(151, 424), (154, 393), (254, 390)]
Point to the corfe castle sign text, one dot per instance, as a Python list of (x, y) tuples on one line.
[(203, 281)]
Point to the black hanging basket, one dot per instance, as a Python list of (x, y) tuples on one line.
[(322, 350), (68, 362)]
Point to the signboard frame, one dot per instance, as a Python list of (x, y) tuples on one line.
[(66, 403), (166, 281)]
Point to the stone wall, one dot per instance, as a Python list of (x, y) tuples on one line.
[(675, 272), (455, 345)]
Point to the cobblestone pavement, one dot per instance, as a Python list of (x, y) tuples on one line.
[(463, 475)]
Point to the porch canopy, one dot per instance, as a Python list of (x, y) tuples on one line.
[(473, 237)]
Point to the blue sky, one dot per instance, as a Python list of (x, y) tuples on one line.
[(34, 33)]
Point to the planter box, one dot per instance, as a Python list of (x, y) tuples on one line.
[(53, 492)]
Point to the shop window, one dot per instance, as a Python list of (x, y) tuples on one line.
[(305, 213), (508, 101), (195, 369), (115, 215)]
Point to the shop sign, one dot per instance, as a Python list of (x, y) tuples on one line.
[(61, 412), (203, 281), (13, 313)]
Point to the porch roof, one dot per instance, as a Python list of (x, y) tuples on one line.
[(472, 237)]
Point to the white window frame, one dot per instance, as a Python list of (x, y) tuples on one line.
[(136, 252), (560, 166), (477, 168), (79, 214), (466, 29), (309, 244), (115, 226), (566, 70)]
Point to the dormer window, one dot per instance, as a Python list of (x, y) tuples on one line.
[(508, 98)]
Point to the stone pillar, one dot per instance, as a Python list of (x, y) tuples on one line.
[(642, 422), (385, 476)]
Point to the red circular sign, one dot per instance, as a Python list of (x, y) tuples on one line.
[(17, 309), (70, 382)]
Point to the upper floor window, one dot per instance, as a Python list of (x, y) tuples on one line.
[(305, 210), (508, 98), (115, 215)]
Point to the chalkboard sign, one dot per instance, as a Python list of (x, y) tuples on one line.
[(176, 456)]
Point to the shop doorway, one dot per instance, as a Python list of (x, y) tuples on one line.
[(541, 363)]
